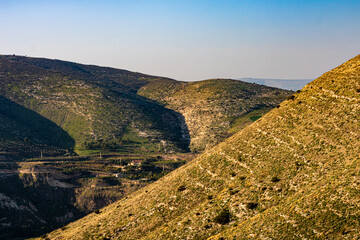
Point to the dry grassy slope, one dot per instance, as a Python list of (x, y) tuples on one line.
[(211, 107), (293, 174)]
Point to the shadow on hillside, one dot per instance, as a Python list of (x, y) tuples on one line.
[(170, 123), (184, 130), (30, 192), (41, 127)]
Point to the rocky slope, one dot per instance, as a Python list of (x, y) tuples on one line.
[(293, 174), (211, 108)]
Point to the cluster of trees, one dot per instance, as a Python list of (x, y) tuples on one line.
[(111, 144)]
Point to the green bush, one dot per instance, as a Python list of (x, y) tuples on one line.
[(251, 205), (275, 179), (223, 216), (181, 188)]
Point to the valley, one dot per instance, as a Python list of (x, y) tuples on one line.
[(40, 194), (179, 120), (76, 138), (294, 173)]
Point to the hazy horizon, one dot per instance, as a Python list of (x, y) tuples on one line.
[(188, 40)]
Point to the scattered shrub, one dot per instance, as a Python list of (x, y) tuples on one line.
[(254, 118), (232, 192), (275, 179), (181, 188), (223, 217), (251, 205), (97, 211), (292, 97), (207, 226), (242, 178)]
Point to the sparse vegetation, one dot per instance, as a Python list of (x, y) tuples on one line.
[(310, 147)]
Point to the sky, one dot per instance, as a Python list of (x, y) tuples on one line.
[(188, 39)]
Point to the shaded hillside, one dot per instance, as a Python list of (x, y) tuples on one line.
[(212, 108), (25, 133), (293, 174), (91, 105)]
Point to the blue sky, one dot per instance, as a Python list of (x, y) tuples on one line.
[(187, 40)]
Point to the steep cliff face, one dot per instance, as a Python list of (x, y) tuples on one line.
[(294, 173), (211, 108)]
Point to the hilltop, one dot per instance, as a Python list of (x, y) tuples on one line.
[(294, 173), (87, 109)]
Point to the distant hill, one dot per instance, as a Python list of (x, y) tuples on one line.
[(90, 108), (289, 84), (98, 108), (293, 174), (215, 109)]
